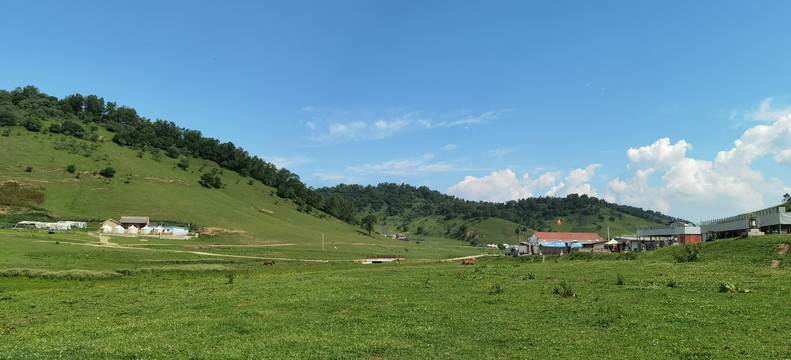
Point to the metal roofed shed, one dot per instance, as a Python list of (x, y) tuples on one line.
[(137, 221)]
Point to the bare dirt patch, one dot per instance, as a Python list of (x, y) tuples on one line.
[(208, 247), (782, 248), (265, 211), (211, 231), (151, 178), (775, 263)]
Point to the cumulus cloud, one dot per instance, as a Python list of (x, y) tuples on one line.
[(504, 185), (662, 177)]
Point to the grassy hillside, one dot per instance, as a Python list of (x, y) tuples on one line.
[(250, 212), (63, 299)]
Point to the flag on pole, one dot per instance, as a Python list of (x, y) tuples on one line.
[(558, 222)]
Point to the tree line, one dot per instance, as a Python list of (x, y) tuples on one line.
[(412, 202), (81, 116)]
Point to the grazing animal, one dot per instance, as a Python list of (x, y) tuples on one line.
[(269, 262), (468, 261)]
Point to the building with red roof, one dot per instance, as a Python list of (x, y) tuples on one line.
[(559, 243)]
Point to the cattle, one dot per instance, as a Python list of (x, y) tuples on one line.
[(269, 262), (468, 261)]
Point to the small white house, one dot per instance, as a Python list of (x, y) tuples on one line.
[(118, 229), (107, 229), (146, 230), (131, 229)]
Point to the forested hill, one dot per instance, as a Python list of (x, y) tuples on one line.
[(83, 122), (81, 116), (409, 203)]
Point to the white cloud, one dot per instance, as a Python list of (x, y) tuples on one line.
[(363, 124), (662, 177), (330, 177), (402, 167), (497, 187), (456, 119), (576, 183), (504, 185), (660, 153), (289, 162)]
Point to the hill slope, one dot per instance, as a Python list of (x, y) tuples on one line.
[(96, 160)]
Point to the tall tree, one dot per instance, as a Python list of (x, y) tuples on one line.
[(368, 223)]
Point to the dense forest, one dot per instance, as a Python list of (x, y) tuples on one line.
[(411, 202), (81, 117)]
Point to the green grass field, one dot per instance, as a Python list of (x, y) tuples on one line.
[(62, 297)]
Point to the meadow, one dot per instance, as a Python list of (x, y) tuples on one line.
[(62, 297)]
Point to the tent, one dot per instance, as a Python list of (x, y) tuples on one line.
[(612, 242), (118, 229), (146, 230), (132, 229), (107, 229)]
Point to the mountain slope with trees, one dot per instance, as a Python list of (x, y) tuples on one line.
[(98, 136), (406, 208)]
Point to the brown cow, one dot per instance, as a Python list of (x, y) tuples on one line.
[(269, 262), (468, 261)]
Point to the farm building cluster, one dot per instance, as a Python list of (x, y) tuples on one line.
[(60, 225), (774, 220), (139, 225), (128, 225)]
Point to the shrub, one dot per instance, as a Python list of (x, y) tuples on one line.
[(172, 152), (33, 125), (71, 169), (210, 180), (495, 289), (564, 290), (619, 280), (730, 288), (8, 116), (107, 172), (29, 169), (184, 164), (72, 128), (688, 253), (578, 255)]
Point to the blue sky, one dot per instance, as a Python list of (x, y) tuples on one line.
[(682, 107)]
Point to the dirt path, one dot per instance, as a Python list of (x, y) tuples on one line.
[(105, 241), (466, 257), (782, 249)]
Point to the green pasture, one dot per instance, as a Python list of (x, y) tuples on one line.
[(159, 189), (58, 301)]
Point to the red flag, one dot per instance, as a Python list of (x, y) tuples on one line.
[(558, 221)]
